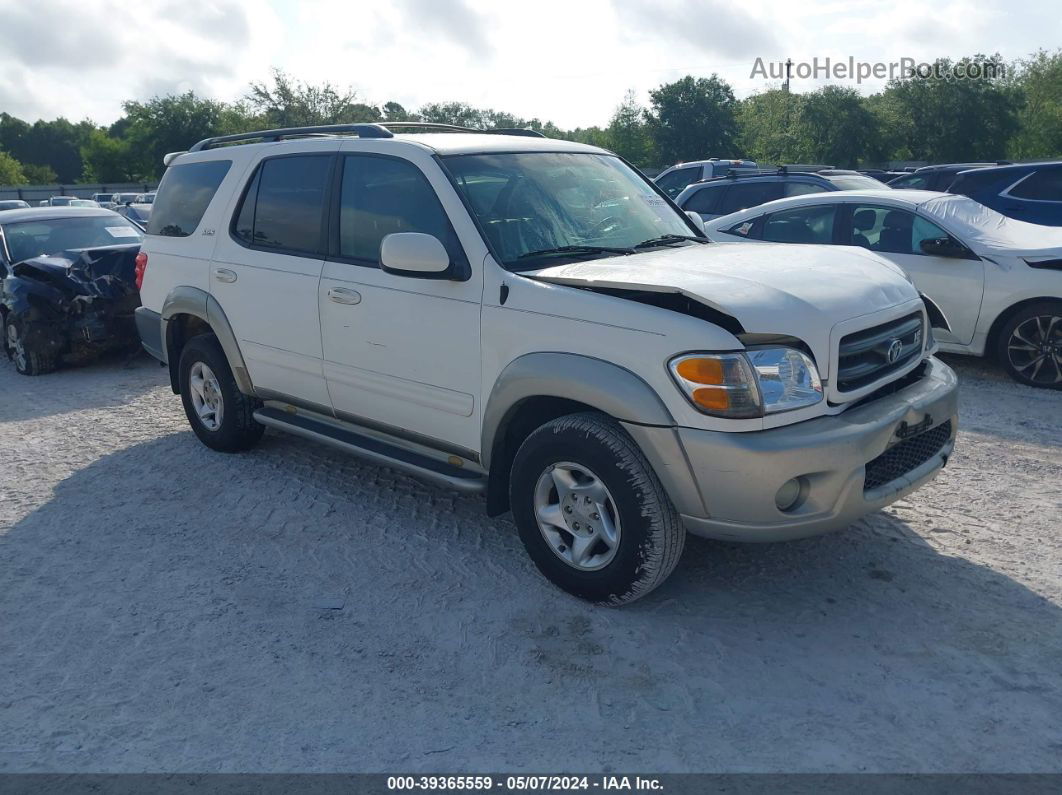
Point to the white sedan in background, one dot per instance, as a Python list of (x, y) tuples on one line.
[(996, 282)]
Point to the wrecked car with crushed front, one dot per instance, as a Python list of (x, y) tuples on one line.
[(68, 292)]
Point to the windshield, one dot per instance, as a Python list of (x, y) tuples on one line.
[(28, 239), (857, 182), (554, 202)]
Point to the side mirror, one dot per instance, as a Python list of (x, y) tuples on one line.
[(697, 220), (943, 247), (414, 254)]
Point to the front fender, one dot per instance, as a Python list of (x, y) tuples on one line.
[(607, 387)]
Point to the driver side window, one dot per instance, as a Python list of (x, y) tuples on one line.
[(891, 231)]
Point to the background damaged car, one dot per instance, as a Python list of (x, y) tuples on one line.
[(68, 292)]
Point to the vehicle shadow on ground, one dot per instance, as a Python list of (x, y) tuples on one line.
[(171, 608), (112, 380)]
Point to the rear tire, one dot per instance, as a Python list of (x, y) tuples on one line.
[(221, 416), (591, 512), (1029, 345), (27, 359)]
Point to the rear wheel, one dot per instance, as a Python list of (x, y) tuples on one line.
[(27, 359), (591, 512), (221, 416), (1030, 345)]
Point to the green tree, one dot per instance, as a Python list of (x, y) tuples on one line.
[(392, 111), (693, 118), (39, 175), (107, 159), (943, 118), (627, 133), (459, 113), (286, 102), (1038, 85), (767, 127), (10, 171), (836, 127), (166, 124)]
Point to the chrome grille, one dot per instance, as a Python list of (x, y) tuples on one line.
[(869, 355), (906, 456)]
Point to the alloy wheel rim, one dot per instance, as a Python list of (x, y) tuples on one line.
[(207, 401), (577, 516), (14, 342), (1035, 349)]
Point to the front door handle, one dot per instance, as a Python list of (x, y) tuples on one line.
[(224, 275), (341, 295)]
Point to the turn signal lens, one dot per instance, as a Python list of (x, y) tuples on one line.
[(722, 384), (700, 370), (715, 399), (139, 269)]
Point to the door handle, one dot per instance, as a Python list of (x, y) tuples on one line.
[(224, 275), (341, 295)]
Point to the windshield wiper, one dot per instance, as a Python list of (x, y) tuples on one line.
[(545, 252), (665, 239)]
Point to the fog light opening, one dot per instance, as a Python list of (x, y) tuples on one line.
[(791, 495)]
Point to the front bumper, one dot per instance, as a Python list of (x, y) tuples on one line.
[(737, 475)]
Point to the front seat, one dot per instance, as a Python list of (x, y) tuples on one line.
[(862, 220), (896, 232)]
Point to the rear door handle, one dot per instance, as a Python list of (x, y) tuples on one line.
[(341, 295), (224, 275)]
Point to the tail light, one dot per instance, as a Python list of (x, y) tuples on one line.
[(141, 268)]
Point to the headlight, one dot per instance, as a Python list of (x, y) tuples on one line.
[(742, 385)]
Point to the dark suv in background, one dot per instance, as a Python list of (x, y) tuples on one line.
[(937, 177), (739, 190), (1027, 192)]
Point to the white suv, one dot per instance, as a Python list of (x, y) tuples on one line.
[(533, 319)]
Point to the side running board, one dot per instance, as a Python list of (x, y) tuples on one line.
[(375, 450)]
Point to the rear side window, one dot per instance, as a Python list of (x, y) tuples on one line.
[(283, 207), (801, 188), (802, 225), (183, 196), (674, 183), (382, 196), (704, 200), (741, 196), (913, 181), (1044, 186)]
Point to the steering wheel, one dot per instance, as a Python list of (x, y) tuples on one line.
[(605, 225)]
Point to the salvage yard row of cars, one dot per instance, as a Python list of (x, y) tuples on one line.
[(536, 321)]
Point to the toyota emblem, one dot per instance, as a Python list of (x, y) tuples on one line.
[(894, 351)]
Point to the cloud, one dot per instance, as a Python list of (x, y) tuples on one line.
[(78, 60), (710, 26), (454, 20)]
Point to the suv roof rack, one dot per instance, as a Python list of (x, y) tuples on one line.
[(365, 130)]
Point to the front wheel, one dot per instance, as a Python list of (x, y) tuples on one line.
[(1030, 345), (221, 416), (591, 512), (26, 358)]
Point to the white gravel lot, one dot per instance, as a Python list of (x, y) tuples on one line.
[(167, 608)]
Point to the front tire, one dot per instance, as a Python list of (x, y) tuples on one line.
[(591, 512), (27, 359), (221, 416), (1030, 345)]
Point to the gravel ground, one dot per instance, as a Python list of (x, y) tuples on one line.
[(167, 608)]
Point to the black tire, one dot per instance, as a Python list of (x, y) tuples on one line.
[(26, 358), (1029, 345), (652, 536), (237, 430)]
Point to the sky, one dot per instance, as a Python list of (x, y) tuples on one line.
[(569, 61)]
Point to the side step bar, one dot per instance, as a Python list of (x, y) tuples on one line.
[(375, 450)]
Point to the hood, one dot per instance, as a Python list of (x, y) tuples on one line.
[(766, 287), (106, 272), (990, 233)]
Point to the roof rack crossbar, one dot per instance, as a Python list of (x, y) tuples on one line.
[(366, 130)]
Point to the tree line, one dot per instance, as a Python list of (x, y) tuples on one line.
[(1016, 114)]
